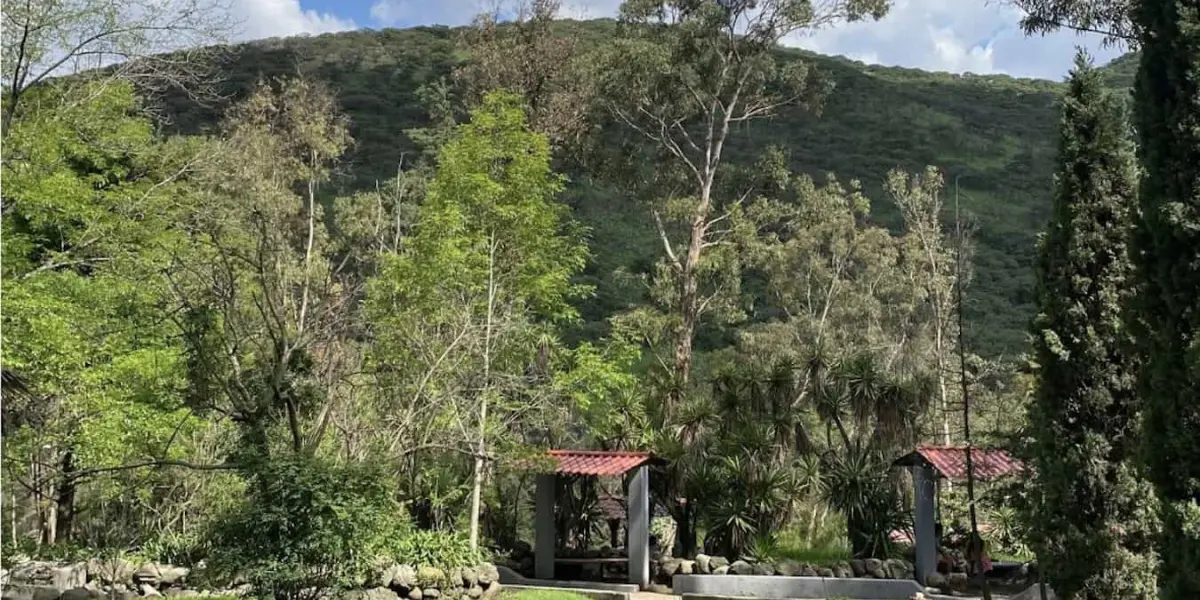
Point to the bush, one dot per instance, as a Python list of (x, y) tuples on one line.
[(441, 549), (306, 526)]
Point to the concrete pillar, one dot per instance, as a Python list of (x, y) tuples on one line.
[(637, 528), (543, 527), (924, 488)]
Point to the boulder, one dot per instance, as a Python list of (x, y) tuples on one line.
[(788, 568), (721, 570), (763, 568), (25, 591), (686, 567), (858, 568), (741, 567), (69, 577), (936, 580), (149, 590), (717, 562), (147, 573), (402, 577), (469, 576), (34, 571), (415, 594), (474, 592), (430, 577), (703, 564), (808, 571), (917, 596), (172, 575), (432, 593), (487, 574), (492, 591), (826, 572), (668, 568), (957, 582)]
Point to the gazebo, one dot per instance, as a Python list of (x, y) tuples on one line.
[(593, 463), (930, 463)]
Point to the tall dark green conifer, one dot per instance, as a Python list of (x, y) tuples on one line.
[(1094, 523), (1167, 255)]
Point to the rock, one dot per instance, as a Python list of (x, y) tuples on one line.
[(148, 590), (788, 568), (82, 593), (858, 568), (172, 575), (474, 592), (808, 571), (487, 574), (415, 594), (918, 595), (375, 593), (147, 573), (670, 567), (721, 570), (470, 577), (25, 591), (69, 577), (403, 577), (826, 572), (936, 580), (957, 582), (687, 567), (431, 593), (430, 577), (492, 591), (763, 568), (658, 588), (703, 564)]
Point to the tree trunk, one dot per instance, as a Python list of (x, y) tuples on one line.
[(65, 519), (477, 485)]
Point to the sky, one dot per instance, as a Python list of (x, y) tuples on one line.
[(959, 36)]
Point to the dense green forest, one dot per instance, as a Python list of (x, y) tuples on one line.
[(992, 135)]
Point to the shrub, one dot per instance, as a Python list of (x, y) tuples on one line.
[(307, 526), (441, 549)]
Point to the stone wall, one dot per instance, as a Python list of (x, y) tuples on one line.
[(118, 579), (893, 568)]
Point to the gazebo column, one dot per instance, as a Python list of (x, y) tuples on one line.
[(543, 527), (637, 527), (925, 539)]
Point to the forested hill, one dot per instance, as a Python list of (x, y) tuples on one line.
[(993, 135)]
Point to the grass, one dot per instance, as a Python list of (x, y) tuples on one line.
[(542, 595)]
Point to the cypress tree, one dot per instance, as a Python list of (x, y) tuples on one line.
[(1094, 526), (1167, 256)]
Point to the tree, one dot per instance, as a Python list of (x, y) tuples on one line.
[(683, 76), (88, 222), (1167, 257), (483, 280), (1107, 18), (132, 38), (531, 57), (1094, 525), (264, 305), (931, 268)]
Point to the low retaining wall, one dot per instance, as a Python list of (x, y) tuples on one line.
[(774, 587)]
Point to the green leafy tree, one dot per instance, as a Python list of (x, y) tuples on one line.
[(482, 281), (685, 75), (1167, 256), (1094, 520), (88, 222)]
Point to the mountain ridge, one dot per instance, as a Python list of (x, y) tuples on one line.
[(992, 135)]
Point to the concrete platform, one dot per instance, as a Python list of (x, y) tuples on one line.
[(771, 587)]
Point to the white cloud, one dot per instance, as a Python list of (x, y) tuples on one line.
[(978, 36), (279, 18)]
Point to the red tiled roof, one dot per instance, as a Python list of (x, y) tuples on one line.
[(596, 462), (951, 461)]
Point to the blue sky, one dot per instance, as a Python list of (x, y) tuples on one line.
[(978, 36)]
